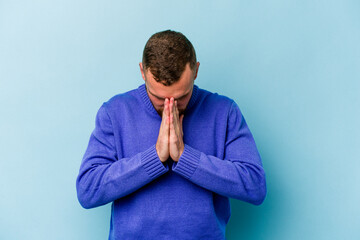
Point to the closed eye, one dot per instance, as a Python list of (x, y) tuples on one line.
[(163, 99)]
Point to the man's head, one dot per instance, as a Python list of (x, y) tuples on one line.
[(169, 69)]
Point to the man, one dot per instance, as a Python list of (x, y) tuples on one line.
[(169, 155)]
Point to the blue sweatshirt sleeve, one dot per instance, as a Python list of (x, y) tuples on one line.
[(239, 175), (103, 177)]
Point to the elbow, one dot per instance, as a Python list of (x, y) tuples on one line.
[(85, 196), (258, 196), (85, 203), (255, 196), (84, 199), (251, 187), (255, 191)]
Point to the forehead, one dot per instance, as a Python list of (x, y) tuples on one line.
[(176, 90)]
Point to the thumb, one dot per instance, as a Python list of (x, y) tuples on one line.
[(181, 123)]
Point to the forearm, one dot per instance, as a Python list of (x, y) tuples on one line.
[(102, 180), (242, 179)]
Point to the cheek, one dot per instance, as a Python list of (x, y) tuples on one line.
[(159, 105), (156, 102), (182, 104)]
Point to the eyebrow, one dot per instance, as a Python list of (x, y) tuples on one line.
[(163, 99)]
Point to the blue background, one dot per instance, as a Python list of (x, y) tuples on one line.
[(293, 67)]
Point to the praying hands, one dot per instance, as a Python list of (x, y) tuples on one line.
[(170, 139)]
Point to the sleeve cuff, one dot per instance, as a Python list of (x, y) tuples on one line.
[(152, 163), (188, 162)]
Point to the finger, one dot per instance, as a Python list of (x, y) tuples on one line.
[(171, 124), (171, 105), (172, 118), (176, 118), (181, 124), (174, 113), (165, 111), (177, 109), (181, 120), (172, 127), (175, 128), (177, 115)]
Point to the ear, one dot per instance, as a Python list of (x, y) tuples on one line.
[(197, 68), (142, 70)]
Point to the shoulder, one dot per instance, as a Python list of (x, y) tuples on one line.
[(217, 104), (121, 100), (216, 100)]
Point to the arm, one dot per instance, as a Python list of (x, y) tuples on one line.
[(103, 177), (239, 175)]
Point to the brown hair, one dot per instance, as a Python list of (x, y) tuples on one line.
[(166, 54)]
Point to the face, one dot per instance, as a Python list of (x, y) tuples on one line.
[(180, 90)]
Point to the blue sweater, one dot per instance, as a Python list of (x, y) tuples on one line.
[(188, 199)]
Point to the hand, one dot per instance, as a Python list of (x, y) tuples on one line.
[(162, 144), (176, 145)]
